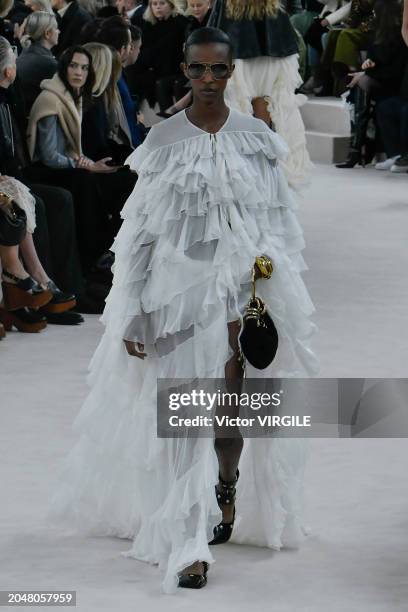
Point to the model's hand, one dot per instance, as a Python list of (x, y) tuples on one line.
[(368, 64), (133, 351), (356, 77)]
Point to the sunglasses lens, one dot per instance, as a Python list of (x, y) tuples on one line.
[(220, 71), (195, 71)]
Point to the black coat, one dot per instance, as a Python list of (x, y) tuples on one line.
[(390, 62), (35, 64), (162, 46), (193, 23), (70, 25), (273, 36)]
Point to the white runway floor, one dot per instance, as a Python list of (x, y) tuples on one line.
[(355, 559)]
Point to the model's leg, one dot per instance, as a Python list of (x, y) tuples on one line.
[(229, 449), (260, 107)]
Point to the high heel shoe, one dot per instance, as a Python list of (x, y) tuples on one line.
[(226, 493), (353, 159), (362, 158), (61, 302), (23, 293), (23, 319), (194, 581)]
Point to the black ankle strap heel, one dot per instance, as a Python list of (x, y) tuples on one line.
[(226, 494), (194, 581)]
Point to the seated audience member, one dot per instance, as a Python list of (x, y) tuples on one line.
[(39, 5), (96, 141), (392, 118), (54, 142), (29, 286), (120, 137), (342, 53), (115, 32), (156, 74), (7, 25), (55, 230), (380, 77), (197, 13), (132, 10), (314, 24), (36, 62), (71, 19)]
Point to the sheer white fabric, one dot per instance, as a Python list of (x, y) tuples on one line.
[(203, 207), (275, 79), (24, 198)]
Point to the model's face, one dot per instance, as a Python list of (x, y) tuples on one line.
[(78, 70), (211, 85), (199, 8), (161, 9)]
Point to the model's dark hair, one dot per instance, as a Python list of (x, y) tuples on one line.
[(388, 16), (64, 62), (206, 36)]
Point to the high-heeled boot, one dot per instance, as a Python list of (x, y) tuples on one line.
[(359, 153), (225, 493)]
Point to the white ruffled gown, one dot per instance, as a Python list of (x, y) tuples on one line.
[(203, 207)]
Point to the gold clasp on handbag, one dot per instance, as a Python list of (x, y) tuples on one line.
[(265, 267)]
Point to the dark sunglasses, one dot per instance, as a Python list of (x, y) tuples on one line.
[(196, 71)]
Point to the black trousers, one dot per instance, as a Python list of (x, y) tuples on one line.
[(98, 200), (55, 237)]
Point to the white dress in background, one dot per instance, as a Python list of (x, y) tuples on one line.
[(275, 79), (203, 207)]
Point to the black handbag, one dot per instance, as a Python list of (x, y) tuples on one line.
[(259, 337), (13, 221)]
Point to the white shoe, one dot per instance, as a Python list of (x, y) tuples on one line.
[(399, 169), (387, 164)]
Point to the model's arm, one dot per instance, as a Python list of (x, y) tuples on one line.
[(405, 23)]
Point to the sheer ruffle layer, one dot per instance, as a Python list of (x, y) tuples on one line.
[(202, 228)]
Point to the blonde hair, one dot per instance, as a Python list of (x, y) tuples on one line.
[(252, 9), (148, 14), (102, 66), (5, 7), (112, 95), (38, 23)]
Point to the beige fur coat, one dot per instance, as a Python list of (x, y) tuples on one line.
[(55, 99)]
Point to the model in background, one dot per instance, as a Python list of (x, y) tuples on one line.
[(266, 72)]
